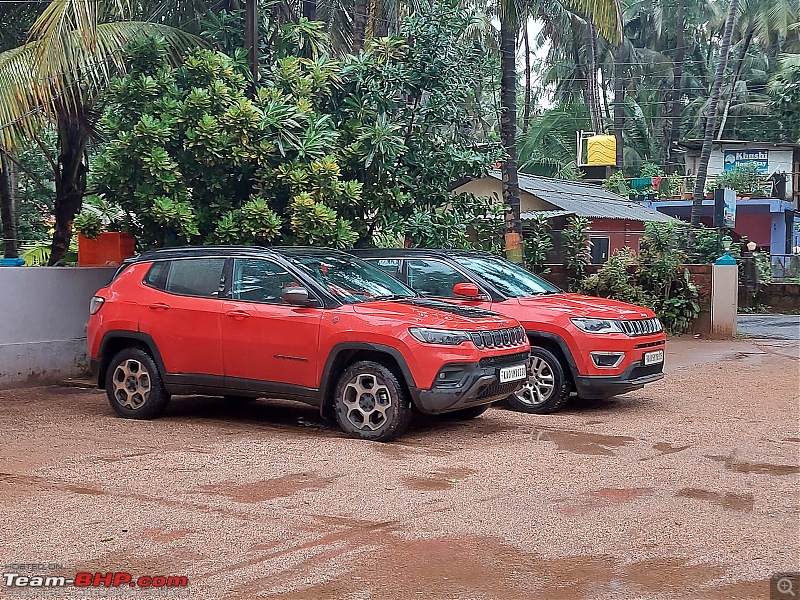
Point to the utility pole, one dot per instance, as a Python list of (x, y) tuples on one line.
[(251, 38)]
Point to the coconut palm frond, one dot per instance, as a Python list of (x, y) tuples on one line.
[(31, 91)]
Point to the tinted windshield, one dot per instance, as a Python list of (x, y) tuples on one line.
[(351, 280), (510, 279)]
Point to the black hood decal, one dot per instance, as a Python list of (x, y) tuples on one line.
[(455, 309)]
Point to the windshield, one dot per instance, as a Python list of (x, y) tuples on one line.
[(510, 279), (350, 279)]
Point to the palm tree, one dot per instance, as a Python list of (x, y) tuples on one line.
[(603, 14), (53, 79), (711, 116)]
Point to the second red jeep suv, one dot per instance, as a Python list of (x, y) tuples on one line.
[(314, 325), (596, 347)]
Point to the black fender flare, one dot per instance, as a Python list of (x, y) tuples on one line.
[(552, 338), (142, 338), (328, 379)]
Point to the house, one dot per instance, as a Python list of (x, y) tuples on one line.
[(616, 222), (772, 222)]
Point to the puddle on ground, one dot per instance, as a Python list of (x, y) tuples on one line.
[(760, 468), (439, 480), (727, 500), (269, 489), (666, 448), (671, 575), (382, 565), (580, 442)]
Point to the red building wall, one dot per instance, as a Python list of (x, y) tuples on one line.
[(621, 232)]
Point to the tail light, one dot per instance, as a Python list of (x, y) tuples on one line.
[(95, 304)]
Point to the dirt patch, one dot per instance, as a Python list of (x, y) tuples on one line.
[(581, 442), (601, 498), (671, 575), (727, 500), (439, 480), (664, 448), (738, 466), (269, 489)]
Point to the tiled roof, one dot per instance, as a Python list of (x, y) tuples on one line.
[(585, 199)]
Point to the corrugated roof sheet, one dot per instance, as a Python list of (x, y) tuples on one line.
[(586, 199)]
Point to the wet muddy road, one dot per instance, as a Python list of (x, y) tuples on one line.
[(686, 489)]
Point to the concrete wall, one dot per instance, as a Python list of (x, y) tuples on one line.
[(43, 315)]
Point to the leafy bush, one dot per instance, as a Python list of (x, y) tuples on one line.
[(577, 254), (537, 243), (745, 179), (655, 278)]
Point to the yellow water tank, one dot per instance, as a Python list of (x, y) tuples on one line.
[(601, 150)]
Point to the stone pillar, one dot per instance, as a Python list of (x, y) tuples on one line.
[(724, 297)]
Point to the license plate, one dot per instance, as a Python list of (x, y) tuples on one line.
[(653, 358), (513, 373)]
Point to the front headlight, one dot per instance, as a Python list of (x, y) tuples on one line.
[(598, 325), (443, 337)]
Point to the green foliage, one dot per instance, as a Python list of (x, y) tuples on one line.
[(98, 216), (618, 184), (466, 222), (37, 254), (577, 253), (322, 154), (744, 178), (537, 243), (784, 100), (655, 278)]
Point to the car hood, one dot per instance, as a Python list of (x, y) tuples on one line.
[(434, 313), (578, 305)]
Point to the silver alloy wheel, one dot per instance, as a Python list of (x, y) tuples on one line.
[(540, 385), (366, 402), (131, 384)]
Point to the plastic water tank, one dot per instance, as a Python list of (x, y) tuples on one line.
[(601, 150)]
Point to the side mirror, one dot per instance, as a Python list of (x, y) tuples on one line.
[(467, 290), (295, 295)]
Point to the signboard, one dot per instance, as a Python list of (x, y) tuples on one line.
[(734, 158), (725, 208)]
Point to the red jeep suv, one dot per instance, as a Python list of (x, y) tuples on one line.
[(307, 324), (594, 346)]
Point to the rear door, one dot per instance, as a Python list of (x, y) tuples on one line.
[(181, 309), (265, 339)]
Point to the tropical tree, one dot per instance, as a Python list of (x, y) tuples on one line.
[(711, 117), (73, 49), (604, 15)]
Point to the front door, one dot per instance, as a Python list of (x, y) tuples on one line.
[(265, 339)]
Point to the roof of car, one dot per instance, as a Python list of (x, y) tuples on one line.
[(203, 251), (409, 252)]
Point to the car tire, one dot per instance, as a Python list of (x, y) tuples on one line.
[(468, 413), (370, 403), (134, 386), (547, 388)]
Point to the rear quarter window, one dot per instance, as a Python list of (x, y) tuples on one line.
[(157, 275), (188, 277)]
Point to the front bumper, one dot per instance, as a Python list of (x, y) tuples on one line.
[(469, 384), (635, 377)]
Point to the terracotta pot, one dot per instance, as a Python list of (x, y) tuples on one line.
[(107, 250)]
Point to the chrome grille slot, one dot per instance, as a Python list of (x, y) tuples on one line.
[(640, 327)]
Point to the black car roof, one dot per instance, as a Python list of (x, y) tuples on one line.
[(202, 251), (409, 252)]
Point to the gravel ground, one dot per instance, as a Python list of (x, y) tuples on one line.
[(686, 489)]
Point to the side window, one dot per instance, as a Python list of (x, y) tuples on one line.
[(195, 277), (157, 275), (258, 280), (433, 278), (390, 266)]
